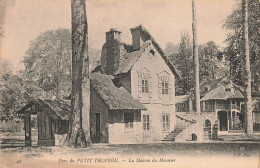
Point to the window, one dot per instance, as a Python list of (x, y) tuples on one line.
[(146, 122), (181, 107), (129, 120), (145, 86), (166, 122), (165, 84)]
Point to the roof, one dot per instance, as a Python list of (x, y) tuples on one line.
[(116, 98), (55, 109), (216, 90), (147, 37), (129, 59)]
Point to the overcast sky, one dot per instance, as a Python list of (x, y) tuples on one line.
[(23, 20)]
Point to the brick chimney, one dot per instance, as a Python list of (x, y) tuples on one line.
[(113, 34), (112, 52), (136, 37)]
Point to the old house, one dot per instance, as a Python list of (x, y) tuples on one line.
[(147, 74)]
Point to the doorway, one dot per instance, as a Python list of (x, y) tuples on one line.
[(222, 117), (34, 130), (207, 130), (97, 124)]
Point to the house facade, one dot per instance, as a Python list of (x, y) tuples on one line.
[(222, 108), (146, 73)]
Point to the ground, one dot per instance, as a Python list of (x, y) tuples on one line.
[(210, 154)]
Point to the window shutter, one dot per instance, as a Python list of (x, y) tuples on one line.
[(150, 87), (169, 87), (159, 87), (139, 85)]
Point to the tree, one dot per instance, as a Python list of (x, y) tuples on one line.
[(11, 91), (235, 43), (248, 99), (195, 57), (212, 62), (48, 64), (171, 49), (79, 136), (183, 61)]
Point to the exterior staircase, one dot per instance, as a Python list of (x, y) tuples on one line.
[(181, 124)]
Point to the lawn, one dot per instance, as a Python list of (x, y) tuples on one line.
[(154, 155)]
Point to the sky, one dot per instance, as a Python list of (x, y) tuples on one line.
[(24, 20)]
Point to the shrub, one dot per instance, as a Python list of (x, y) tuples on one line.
[(12, 126)]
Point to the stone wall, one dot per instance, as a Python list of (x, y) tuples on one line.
[(196, 128)]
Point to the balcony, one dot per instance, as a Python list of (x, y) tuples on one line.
[(223, 106), (236, 107)]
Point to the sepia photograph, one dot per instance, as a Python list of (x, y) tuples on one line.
[(129, 84)]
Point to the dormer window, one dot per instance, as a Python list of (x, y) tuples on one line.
[(165, 85), (145, 83)]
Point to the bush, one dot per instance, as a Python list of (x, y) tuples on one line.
[(12, 126)]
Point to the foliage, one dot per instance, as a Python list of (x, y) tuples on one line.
[(212, 62), (48, 63), (11, 91), (182, 58), (13, 126), (234, 41), (211, 59)]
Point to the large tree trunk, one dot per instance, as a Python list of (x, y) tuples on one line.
[(247, 77), (78, 135), (196, 57)]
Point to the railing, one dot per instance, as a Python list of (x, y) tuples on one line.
[(234, 106), (223, 106), (209, 109)]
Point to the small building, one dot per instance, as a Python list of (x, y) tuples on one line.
[(52, 117), (222, 108)]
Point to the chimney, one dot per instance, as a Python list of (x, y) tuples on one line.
[(113, 34), (136, 37), (112, 52)]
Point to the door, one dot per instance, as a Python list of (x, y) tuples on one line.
[(222, 116), (207, 129), (97, 123)]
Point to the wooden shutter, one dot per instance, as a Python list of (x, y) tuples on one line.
[(159, 87), (150, 87), (169, 87), (139, 84)]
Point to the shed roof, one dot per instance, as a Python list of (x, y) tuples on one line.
[(116, 98), (55, 109)]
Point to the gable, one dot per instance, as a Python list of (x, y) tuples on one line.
[(129, 59)]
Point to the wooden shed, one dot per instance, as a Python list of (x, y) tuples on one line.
[(52, 118)]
